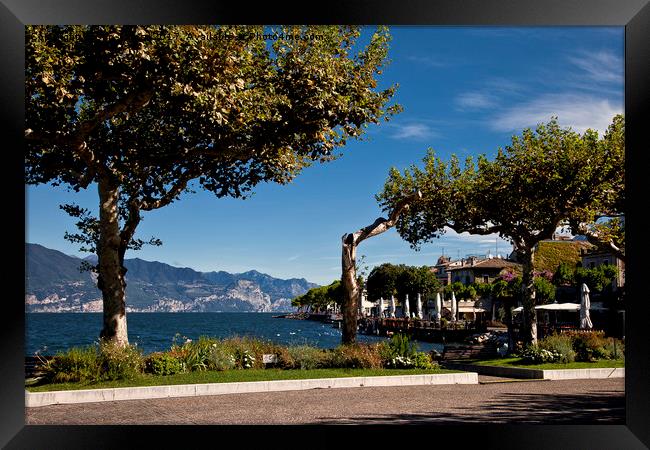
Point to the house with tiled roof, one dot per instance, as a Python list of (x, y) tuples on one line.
[(443, 267), (474, 269)]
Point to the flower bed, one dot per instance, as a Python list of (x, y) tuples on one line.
[(106, 363)]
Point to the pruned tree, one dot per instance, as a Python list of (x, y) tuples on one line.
[(145, 114), (349, 278), (544, 179)]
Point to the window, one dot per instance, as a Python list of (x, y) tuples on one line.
[(486, 279)]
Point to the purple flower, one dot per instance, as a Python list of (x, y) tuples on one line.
[(507, 276)]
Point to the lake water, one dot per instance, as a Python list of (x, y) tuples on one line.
[(51, 332)]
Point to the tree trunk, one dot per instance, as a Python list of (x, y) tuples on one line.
[(351, 290), (111, 270), (528, 297)]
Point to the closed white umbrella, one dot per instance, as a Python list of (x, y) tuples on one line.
[(438, 307), (381, 307), (453, 305), (407, 313), (585, 320), (418, 309), (392, 306)]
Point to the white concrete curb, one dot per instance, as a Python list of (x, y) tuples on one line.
[(34, 399), (539, 374), (572, 374)]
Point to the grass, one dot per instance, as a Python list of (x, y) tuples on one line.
[(234, 376), (517, 362)]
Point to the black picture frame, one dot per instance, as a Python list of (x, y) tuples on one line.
[(634, 15)]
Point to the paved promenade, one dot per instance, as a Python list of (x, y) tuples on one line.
[(597, 401)]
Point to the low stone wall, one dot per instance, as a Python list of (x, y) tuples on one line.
[(34, 399)]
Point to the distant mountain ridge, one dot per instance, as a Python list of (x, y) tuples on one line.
[(54, 283)]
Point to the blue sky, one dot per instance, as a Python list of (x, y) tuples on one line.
[(465, 90)]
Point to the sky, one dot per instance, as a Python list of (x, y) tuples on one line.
[(465, 91)]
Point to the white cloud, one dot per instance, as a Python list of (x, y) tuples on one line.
[(293, 258), (474, 100), (576, 111), (427, 61), (418, 131), (601, 66)]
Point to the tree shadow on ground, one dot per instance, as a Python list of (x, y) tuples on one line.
[(603, 407)]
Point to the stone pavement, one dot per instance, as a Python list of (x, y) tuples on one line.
[(595, 401)]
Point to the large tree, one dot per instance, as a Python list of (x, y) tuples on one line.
[(145, 114), (544, 179)]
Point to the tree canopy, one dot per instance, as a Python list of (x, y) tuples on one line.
[(544, 179), (148, 113), (320, 298), (400, 280)]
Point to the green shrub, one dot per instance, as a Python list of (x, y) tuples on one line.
[(561, 344), (163, 364), (245, 359), (418, 360), (220, 358), (195, 355), (590, 345), (248, 351), (401, 345), (534, 354), (616, 348), (120, 362), (423, 360), (75, 364), (305, 357)]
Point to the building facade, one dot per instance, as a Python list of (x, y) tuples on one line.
[(594, 258)]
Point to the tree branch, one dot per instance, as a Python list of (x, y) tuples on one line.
[(381, 224), (170, 196)]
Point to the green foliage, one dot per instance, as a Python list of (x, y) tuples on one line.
[(534, 354), (564, 275), (591, 345), (120, 362), (76, 364), (401, 345), (597, 278), (306, 357), (320, 298), (560, 344), (399, 280), (245, 359), (163, 364), (545, 178), (152, 107), (544, 290), (220, 358), (382, 281), (550, 254)]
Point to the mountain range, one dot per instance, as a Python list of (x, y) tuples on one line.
[(54, 283)]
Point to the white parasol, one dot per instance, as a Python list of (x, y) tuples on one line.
[(585, 320), (453, 305)]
